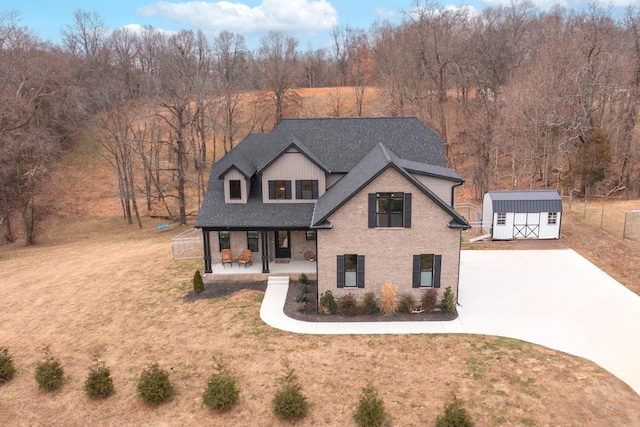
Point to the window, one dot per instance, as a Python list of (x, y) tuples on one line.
[(279, 190), (552, 219), (389, 209), (307, 189), (350, 270), (252, 240), (225, 240), (426, 270), (502, 218), (312, 235), (234, 189)]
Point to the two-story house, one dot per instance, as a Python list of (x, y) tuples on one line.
[(370, 198)]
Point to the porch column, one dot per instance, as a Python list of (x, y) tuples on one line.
[(265, 251), (207, 250)]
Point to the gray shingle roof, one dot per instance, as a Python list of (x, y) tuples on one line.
[(373, 164), (526, 201), (336, 145)]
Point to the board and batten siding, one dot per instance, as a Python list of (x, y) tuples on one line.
[(245, 184), (441, 187), (291, 166)]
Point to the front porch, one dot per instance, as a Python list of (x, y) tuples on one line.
[(236, 273)]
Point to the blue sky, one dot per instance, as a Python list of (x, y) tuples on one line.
[(309, 20)]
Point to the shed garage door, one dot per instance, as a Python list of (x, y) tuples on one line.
[(526, 225)]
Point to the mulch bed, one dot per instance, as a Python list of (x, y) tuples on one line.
[(220, 290), (310, 313)]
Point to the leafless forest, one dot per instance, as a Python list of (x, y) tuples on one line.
[(523, 98)]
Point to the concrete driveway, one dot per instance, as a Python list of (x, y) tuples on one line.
[(555, 298)]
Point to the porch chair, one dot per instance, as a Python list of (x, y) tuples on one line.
[(226, 257), (245, 258)]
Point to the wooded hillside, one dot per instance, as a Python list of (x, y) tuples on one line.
[(523, 98)]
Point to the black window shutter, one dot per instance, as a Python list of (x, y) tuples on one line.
[(314, 189), (372, 210), (340, 269), (416, 271), (407, 210), (360, 272), (437, 263), (298, 189), (287, 189), (272, 190)]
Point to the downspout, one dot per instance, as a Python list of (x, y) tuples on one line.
[(453, 194)]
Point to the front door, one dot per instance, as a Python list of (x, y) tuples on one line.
[(283, 244)]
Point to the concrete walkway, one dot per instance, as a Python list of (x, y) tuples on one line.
[(554, 298)]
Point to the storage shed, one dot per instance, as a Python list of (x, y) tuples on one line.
[(534, 214)]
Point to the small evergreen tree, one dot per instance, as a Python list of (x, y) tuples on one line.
[(99, 383), (448, 303), (455, 415), (7, 368), (222, 391), (154, 385), (198, 283), (49, 372), (290, 403), (370, 411), (328, 303)]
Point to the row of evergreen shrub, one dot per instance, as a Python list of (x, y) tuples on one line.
[(154, 387)]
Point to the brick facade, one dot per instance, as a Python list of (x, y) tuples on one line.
[(388, 251)]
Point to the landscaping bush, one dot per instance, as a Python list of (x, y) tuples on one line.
[(154, 385), (389, 303), (222, 391), (289, 403), (327, 303), (303, 292), (448, 304), (347, 305), (198, 283), (429, 300), (49, 372), (303, 279), (370, 411), (7, 369), (99, 383), (368, 305), (407, 303), (455, 415)]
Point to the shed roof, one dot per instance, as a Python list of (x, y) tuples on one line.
[(526, 201)]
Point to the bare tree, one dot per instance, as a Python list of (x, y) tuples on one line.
[(231, 68), (278, 60)]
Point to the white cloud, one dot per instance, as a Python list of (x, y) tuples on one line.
[(294, 16), (381, 12)]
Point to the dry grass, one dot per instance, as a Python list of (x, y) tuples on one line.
[(120, 296), (95, 286)]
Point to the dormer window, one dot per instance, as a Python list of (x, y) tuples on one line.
[(235, 192)]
